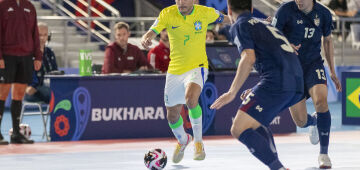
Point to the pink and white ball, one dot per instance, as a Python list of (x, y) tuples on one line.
[(155, 159)]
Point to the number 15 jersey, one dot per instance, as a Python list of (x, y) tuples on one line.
[(276, 62), (187, 36)]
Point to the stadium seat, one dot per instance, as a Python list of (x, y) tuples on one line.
[(44, 114)]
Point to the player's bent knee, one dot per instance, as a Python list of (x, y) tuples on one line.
[(235, 133), (191, 102), (321, 104), (173, 118), (237, 130)]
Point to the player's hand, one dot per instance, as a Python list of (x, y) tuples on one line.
[(337, 82), (245, 93), (37, 65), (269, 19), (30, 90), (146, 42), (2, 64), (223, 100), (296, 48)]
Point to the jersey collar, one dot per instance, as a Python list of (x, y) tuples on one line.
[(186, 15), (244, 15)]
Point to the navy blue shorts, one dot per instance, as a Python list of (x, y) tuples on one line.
[(314, 73), (264, 105)]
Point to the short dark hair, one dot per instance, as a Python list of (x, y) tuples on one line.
[(240, 5)]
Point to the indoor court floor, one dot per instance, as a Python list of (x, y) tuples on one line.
[(223, 152)]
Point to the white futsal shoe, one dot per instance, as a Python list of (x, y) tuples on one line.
[(180, 149), (324, 161), (314, 133), (199, 151)]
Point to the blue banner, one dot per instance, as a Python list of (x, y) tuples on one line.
[(114, 107)]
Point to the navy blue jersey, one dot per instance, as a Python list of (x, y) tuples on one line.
[(276, 62), (304, 29)]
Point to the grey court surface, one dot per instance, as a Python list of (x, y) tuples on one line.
[(223, 153)]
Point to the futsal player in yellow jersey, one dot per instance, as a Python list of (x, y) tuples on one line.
[(186, 24)]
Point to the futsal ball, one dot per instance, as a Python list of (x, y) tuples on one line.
[(155, 159), (24, 129)]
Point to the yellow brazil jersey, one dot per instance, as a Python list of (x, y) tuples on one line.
[(187, 36)]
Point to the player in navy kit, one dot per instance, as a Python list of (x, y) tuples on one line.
[(281, 84), (305, 23)]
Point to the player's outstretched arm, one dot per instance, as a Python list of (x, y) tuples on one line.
[(245, 65), (329, 56), (146, 39)]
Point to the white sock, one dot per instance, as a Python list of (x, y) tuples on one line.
[(180, 134), (197, 128)]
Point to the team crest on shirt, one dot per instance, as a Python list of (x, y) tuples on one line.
[(198, 25), (317, 20)]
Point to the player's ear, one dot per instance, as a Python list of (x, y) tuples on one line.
[(252, 9)]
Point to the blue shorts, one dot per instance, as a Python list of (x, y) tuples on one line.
[(264, 105), (314, 73)]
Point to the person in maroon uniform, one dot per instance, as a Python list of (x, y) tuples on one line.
[(19, 55), (121, 56), (158, 57)]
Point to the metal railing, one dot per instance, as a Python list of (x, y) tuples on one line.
[(81, 21), (114, 12), (271, 8), (58, 7), (341, 29)]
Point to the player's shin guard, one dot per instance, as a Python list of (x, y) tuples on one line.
[(260, 148), (195, 115), (267, 134), (323, 125), (178, 130)]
